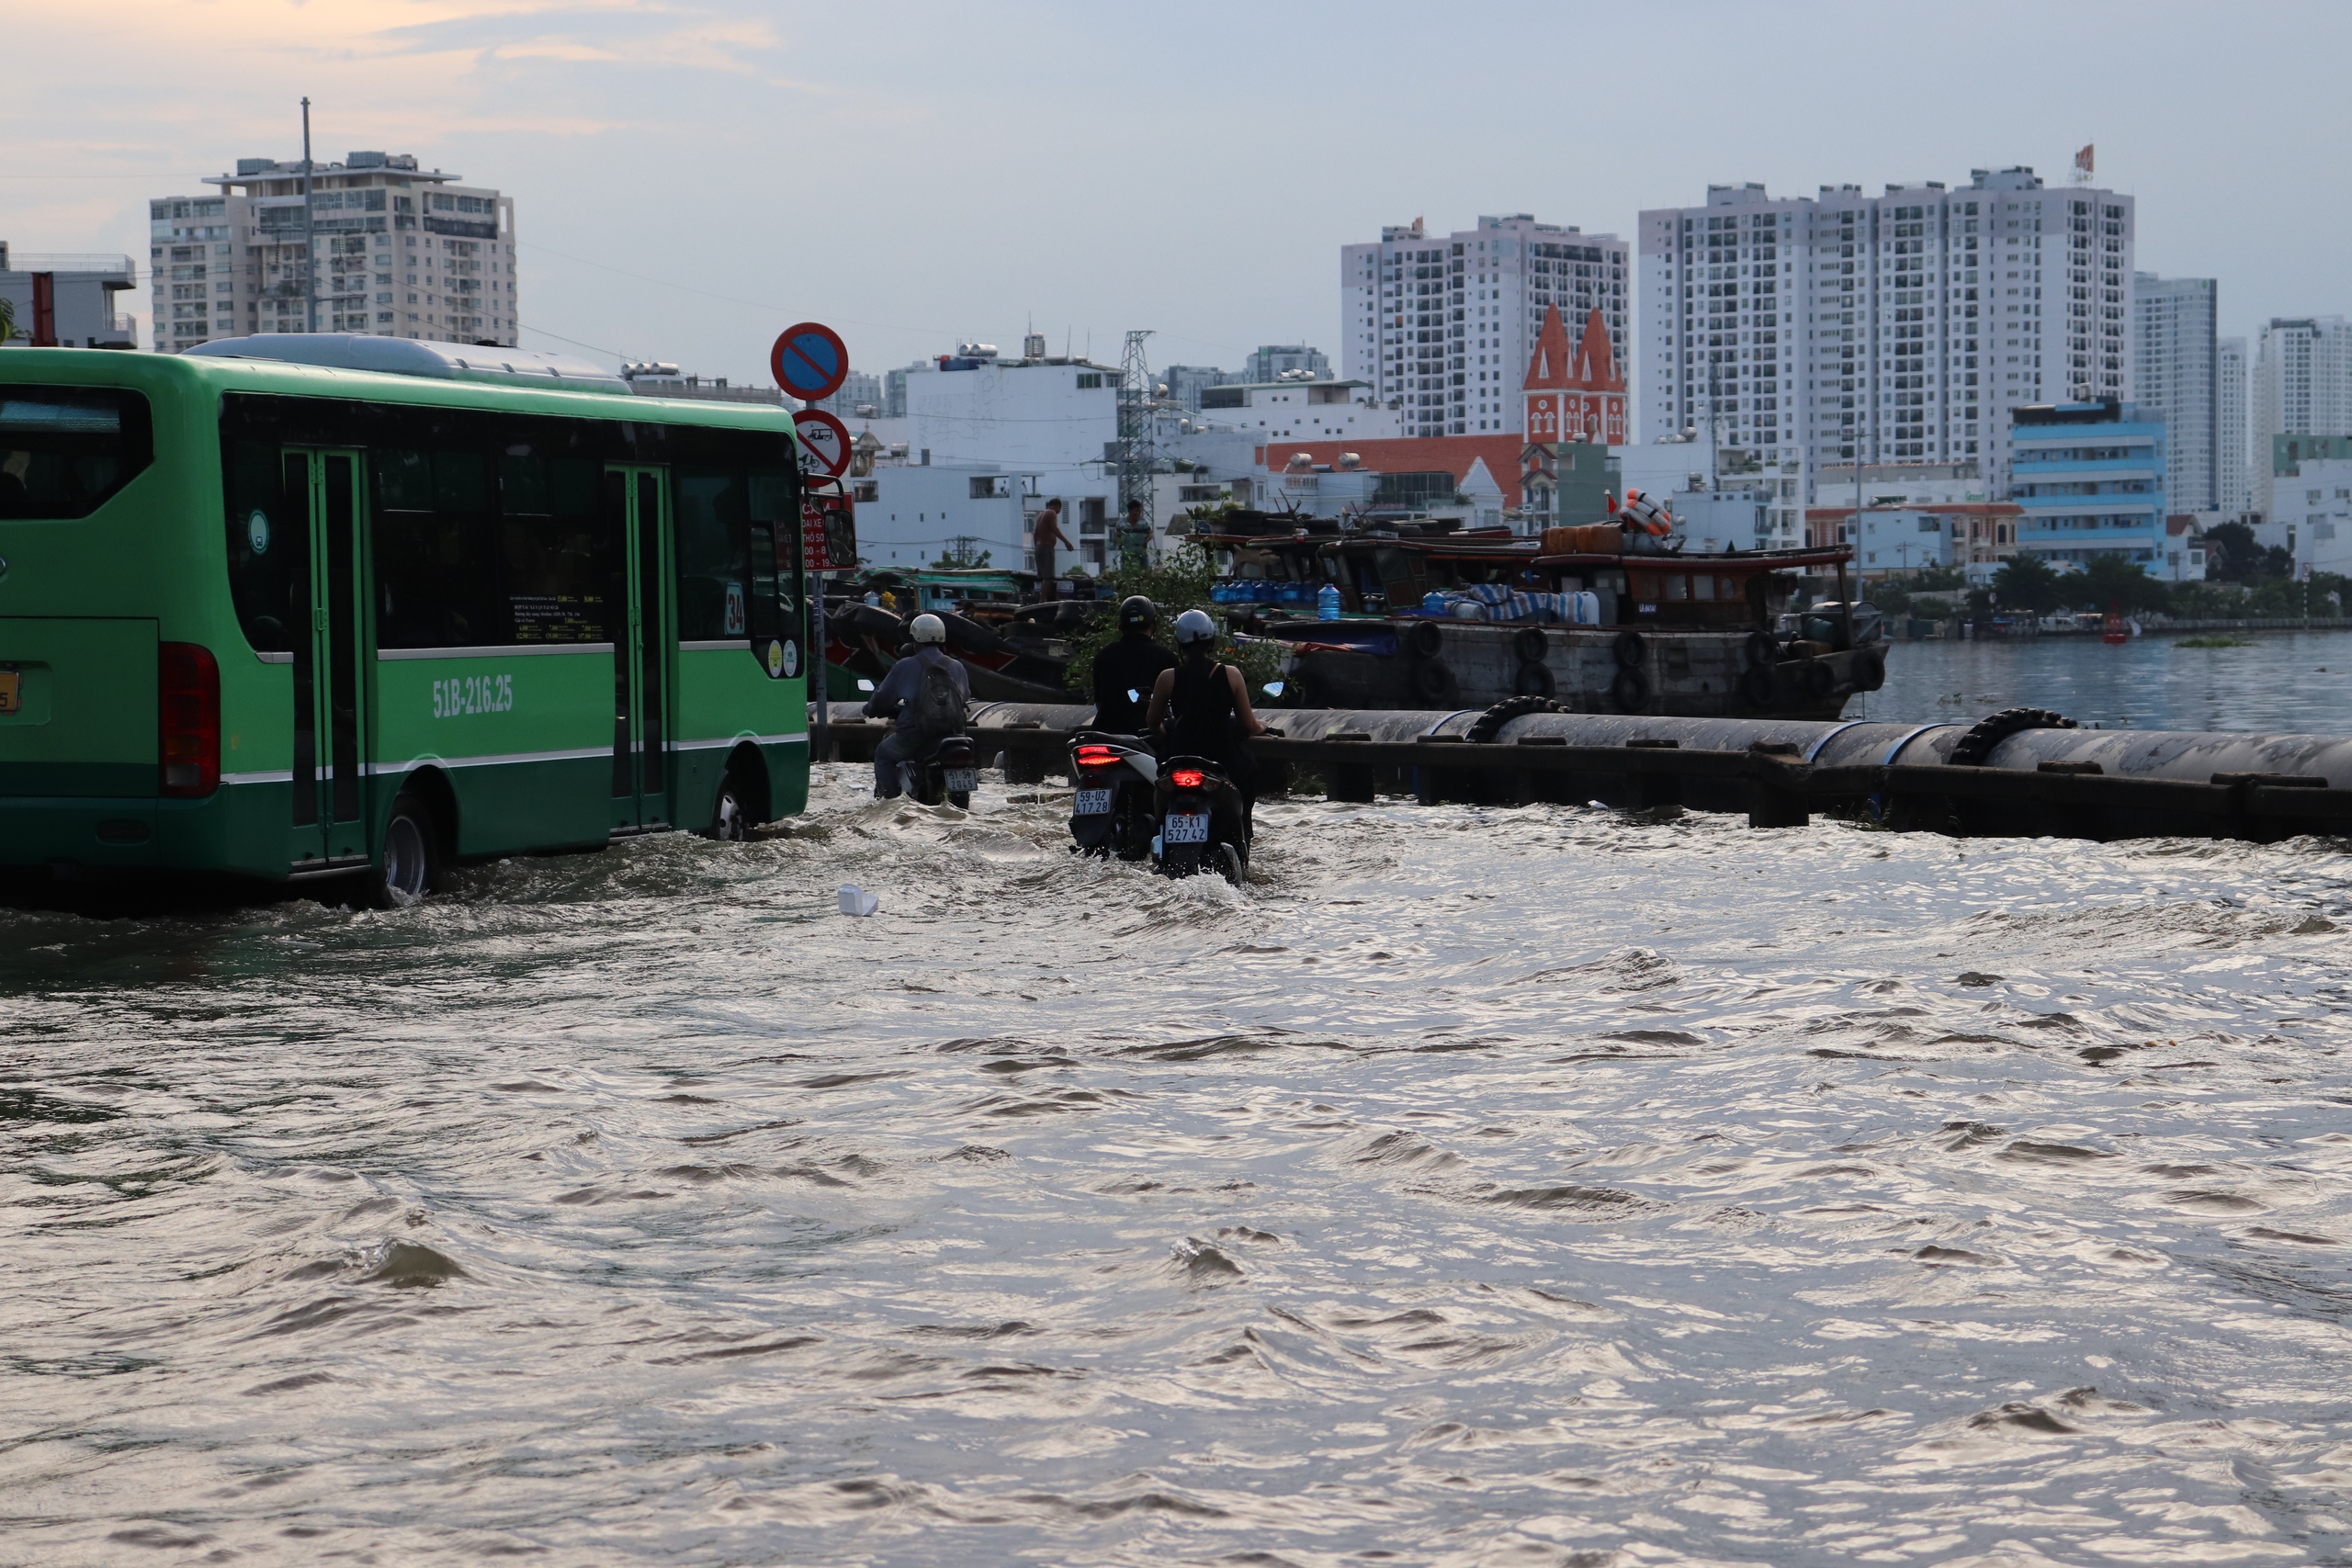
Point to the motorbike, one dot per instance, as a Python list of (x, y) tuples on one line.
[(1201, 824), (1113, 808), (946, 773)]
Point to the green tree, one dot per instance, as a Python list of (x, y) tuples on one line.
[(8, 332), (2111, 580), (1178, 582), (2028, 583), (960, 556)]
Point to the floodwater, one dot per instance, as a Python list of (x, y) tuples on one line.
[(1478, 1185), (2277, 681)]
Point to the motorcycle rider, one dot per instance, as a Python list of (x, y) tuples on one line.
[(925, 695), (1201, 709), (1129, 668)]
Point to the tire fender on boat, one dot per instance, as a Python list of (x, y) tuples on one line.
[(1631, 690)]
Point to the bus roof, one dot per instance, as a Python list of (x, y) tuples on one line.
[(172, 374), (413, 356)]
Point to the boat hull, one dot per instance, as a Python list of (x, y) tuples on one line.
[(1595, 670)]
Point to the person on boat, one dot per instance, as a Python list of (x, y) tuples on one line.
[(1129, 668), (1045, 538), (925, 697), (1201, 709)]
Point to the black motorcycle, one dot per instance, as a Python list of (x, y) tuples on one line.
[(946, 774), (1113, 808), (1200, 821)]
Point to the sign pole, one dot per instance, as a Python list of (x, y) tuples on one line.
[(811, 362)]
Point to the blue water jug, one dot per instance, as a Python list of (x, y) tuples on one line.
[(1326, 603), (1432, 602)]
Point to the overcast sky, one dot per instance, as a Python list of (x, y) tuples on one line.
[(690, 178)]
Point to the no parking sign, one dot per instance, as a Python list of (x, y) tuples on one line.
[(810, 361)]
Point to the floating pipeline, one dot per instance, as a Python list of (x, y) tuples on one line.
[(2020, 772)]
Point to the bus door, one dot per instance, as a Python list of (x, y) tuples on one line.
[(644, 644), (322, 491)]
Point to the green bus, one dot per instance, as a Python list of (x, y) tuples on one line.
[(371, 607)]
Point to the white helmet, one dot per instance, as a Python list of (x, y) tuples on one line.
[(929, 628), (1193, 625)]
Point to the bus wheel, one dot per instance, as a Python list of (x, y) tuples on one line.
[(730, 821), (411, 866)]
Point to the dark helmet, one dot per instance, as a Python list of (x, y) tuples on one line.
[(1138, 615)]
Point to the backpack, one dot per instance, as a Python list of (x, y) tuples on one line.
[(938, 706)]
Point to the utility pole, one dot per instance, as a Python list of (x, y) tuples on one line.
[(309, 258), (1135, 444)]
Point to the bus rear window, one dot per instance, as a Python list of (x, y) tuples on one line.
[(64, 450)]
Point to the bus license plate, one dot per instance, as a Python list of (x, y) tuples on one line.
[(12, 693), (1186, 828), (1093, 803), (961, 779)]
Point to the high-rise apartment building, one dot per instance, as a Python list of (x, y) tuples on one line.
[(2302, 386), (1443, 328), (376, 246), (2232, 493), (2175, 377), (1898, 328)]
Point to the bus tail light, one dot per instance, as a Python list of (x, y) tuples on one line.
[(188, 709)]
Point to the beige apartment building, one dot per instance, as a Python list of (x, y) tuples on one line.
[(389, 249)]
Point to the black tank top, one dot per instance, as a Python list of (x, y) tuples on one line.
[(1202, 702)]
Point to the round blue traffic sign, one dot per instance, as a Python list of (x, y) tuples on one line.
[(810, 361)]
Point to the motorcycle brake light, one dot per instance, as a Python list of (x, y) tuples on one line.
[(1185, 778), (1096, 757)]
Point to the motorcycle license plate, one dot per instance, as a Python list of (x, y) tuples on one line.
[(1186, 828), (1093, 803), (960, 778)]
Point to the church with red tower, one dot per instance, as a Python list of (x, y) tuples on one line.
[(1575, 393)]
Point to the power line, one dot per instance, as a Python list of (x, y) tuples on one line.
[(574, 342)]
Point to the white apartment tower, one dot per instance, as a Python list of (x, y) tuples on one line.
[(2302, 386), (1898, 328), (2231, 491), (2175, 377), (1443, 328), (394, 250)]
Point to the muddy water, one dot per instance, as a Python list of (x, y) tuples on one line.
[(1494, 1187)]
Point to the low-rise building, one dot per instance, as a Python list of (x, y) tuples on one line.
[(659, 378), (909, 516), (1300, 410), (2310, 490), (68, 301), (2185, 545), (1896, 539), (2090, 480)]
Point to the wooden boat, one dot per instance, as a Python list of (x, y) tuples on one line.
[(1686, 635)]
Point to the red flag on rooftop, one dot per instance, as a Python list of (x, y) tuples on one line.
[(2083, 158)]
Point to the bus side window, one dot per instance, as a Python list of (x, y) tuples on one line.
[(775, 554), (713, 555), (550, 543), (433, 574), (260, 543)]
